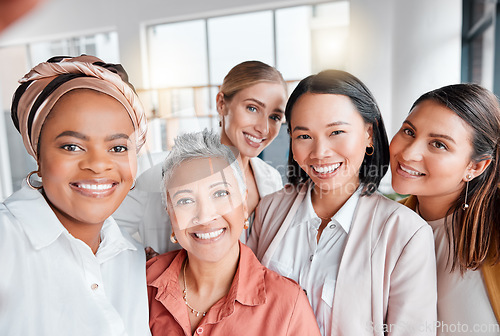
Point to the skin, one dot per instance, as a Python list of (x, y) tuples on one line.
[(431, 158), (329, 139), (256, 112), (87, 142), (203, 201)]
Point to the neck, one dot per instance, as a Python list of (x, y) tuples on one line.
[(326, 203), (435, 207), (89, 233), (210, 278)]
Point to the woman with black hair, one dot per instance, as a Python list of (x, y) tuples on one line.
[(366, 263)]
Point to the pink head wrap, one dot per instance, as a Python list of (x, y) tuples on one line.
[(47, 82)]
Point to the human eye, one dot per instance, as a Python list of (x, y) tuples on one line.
[(251, 108), (408, 131), (221, 193), (439, 145), (275, 117), (119, 149), (184, 201), (303, 136), (71, 148), (337, 132)]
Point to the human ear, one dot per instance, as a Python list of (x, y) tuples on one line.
[(476, 168), (369, 135), (220, 103)]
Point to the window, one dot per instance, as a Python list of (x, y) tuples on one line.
[(188, 60), (480, 62)]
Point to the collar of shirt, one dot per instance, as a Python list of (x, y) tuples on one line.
[(42, 227), (248, 286), (343, 217)]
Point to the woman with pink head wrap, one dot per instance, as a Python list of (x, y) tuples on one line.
[(67, 269)]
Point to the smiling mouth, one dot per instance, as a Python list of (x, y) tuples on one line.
[(326, 169), (410, 171), (254, 139), (209, 235), (94, 187)]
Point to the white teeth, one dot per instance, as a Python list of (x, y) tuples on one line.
[(254, 139), (411, 172), (98, 187), (209, 235), (326, 169)]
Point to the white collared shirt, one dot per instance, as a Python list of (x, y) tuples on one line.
[(314, 265), (52, 284)]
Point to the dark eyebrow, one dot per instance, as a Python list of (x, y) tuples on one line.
[(432, 135), (444, 136), (118, 136), (335, 123), (73, 134), (261, 104), (86, 138)]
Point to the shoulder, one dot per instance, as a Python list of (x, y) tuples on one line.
[(267, 177), (156, 266), (393, 222), (288, 193)]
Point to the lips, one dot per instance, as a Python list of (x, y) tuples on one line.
[(253, 140), (209, 236), (325, 169), (407, 170), (96, 189)]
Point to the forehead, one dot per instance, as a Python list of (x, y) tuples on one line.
[(202, 172), (432, 117), (326, 108), (90, 106)]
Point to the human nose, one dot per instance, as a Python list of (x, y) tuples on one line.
[(97, 161), (262, 125), (320, 150), (411, 151), (206, 212)]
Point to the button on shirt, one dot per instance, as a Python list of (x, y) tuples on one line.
[(52, 284), (314, 265)]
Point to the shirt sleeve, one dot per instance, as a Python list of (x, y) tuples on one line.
[(413, 292)]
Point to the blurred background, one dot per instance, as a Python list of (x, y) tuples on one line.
[(178, 52)]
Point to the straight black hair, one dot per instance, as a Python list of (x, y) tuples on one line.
[(338, 82)]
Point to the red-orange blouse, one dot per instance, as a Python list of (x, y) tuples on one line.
[(259, 302)]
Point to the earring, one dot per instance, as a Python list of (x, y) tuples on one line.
[(173, 239), (465, 205), (220, 123), (133, 186), (368, 151), (29, 182), (247, 224)]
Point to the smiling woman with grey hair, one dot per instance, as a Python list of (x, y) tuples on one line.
[(215, 283)]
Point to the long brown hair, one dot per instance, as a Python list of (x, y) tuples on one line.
[(474, 233)]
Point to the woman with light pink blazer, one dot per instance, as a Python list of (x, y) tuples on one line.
[(366, 263)]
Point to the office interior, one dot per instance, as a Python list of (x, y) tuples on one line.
[(177, 53)]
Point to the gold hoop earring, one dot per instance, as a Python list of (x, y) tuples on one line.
[(465, 205), (247, 224), (133, 185), (173, 239), (28, 181), (370, 152)]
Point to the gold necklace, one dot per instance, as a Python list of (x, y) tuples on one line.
[(184, 295)]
